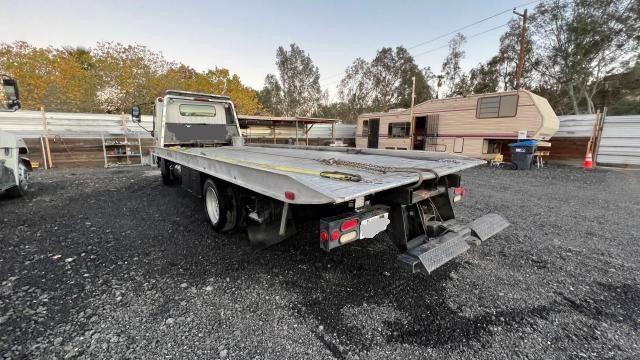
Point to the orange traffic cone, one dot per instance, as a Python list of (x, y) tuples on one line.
[(588, 161)]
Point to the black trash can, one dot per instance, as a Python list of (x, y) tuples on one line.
[(522, 153)]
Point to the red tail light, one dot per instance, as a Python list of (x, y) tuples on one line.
[(348, 225), (458, 193), (290, 195), (324, 237), (335, 235)]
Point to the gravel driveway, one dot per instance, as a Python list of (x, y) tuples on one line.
[(111, 264)]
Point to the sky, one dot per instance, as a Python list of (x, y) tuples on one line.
[(243, 35)]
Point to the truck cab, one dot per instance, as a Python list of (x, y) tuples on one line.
[(189, 119), (10, 94)]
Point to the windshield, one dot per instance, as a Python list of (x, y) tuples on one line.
[(10, 92)]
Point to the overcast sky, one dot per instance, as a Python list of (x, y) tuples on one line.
[(242, 35)]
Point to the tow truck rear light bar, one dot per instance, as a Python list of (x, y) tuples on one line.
[(459, 193), (344, 228)]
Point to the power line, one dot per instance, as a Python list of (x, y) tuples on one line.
[(472, 24), (440, 47), (468, 37), (447, 34)]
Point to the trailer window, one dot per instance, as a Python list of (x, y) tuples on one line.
[(497, 106), (365, 128), (198, 110), (399, 129)]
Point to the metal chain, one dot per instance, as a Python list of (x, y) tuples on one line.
[(378, 168)]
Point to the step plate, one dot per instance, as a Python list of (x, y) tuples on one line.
[(435, 253), (488, 225)]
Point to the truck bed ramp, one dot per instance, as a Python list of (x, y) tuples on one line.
[(428, 254)]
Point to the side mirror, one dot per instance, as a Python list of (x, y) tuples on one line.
[(136, 115)]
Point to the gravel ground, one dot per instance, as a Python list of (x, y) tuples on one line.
[(111, 264)]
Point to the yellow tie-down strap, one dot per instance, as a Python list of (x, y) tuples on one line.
[(335, 175)]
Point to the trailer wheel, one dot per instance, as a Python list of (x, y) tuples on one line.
[(214, 205), (23, 182)]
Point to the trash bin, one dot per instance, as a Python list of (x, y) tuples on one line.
[(522, 153)]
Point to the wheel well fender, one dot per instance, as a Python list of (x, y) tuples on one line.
[(27, 163)]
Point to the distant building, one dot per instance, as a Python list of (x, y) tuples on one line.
[(478, 125)]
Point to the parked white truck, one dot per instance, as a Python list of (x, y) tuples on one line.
[(352, 193), (14, 165)]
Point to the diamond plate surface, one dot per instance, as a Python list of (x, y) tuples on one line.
[(488, 225)]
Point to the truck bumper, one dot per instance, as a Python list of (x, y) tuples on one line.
[(426, 254)]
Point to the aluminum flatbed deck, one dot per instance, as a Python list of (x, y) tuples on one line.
[(274, 170)]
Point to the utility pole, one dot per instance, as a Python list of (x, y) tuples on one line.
[(413, 99), (439, 85), (523, 31)]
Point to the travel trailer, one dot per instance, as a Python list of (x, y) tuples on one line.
[(480, 126)]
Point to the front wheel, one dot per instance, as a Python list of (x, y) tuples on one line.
[(23, 182)]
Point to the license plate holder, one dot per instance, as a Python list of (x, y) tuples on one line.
[(374, 225)]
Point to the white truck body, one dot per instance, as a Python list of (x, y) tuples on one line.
[(14, 167), (353, 193)]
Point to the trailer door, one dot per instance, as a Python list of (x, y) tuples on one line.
[(374, 133)]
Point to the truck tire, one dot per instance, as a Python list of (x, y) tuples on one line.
[(214, 206), (21, 188), (230, 200)]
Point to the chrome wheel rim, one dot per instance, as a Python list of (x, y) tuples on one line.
[(23, 176), (213, 207)]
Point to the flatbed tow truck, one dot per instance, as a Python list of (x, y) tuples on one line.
[(353, 193)]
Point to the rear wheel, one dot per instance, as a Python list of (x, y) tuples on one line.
[(213, 205), (220, 205), (23, 182)]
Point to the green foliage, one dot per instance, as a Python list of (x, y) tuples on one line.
[(296, 91), (110, 78), (578, 43), (384, 83), (451, 69)]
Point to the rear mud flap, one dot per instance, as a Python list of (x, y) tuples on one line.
[(427, 254)]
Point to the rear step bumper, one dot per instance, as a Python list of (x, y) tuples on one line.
[(427, 254)]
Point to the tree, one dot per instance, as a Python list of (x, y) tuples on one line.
[(581, 41), (49, 77), (110, 77), (451, 68), (32, 67), (271, 96), (73, 84), (383, 83), (391, 75), (126, 74), (507, 59), (296, 92), (356, 89), (485, 78)]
